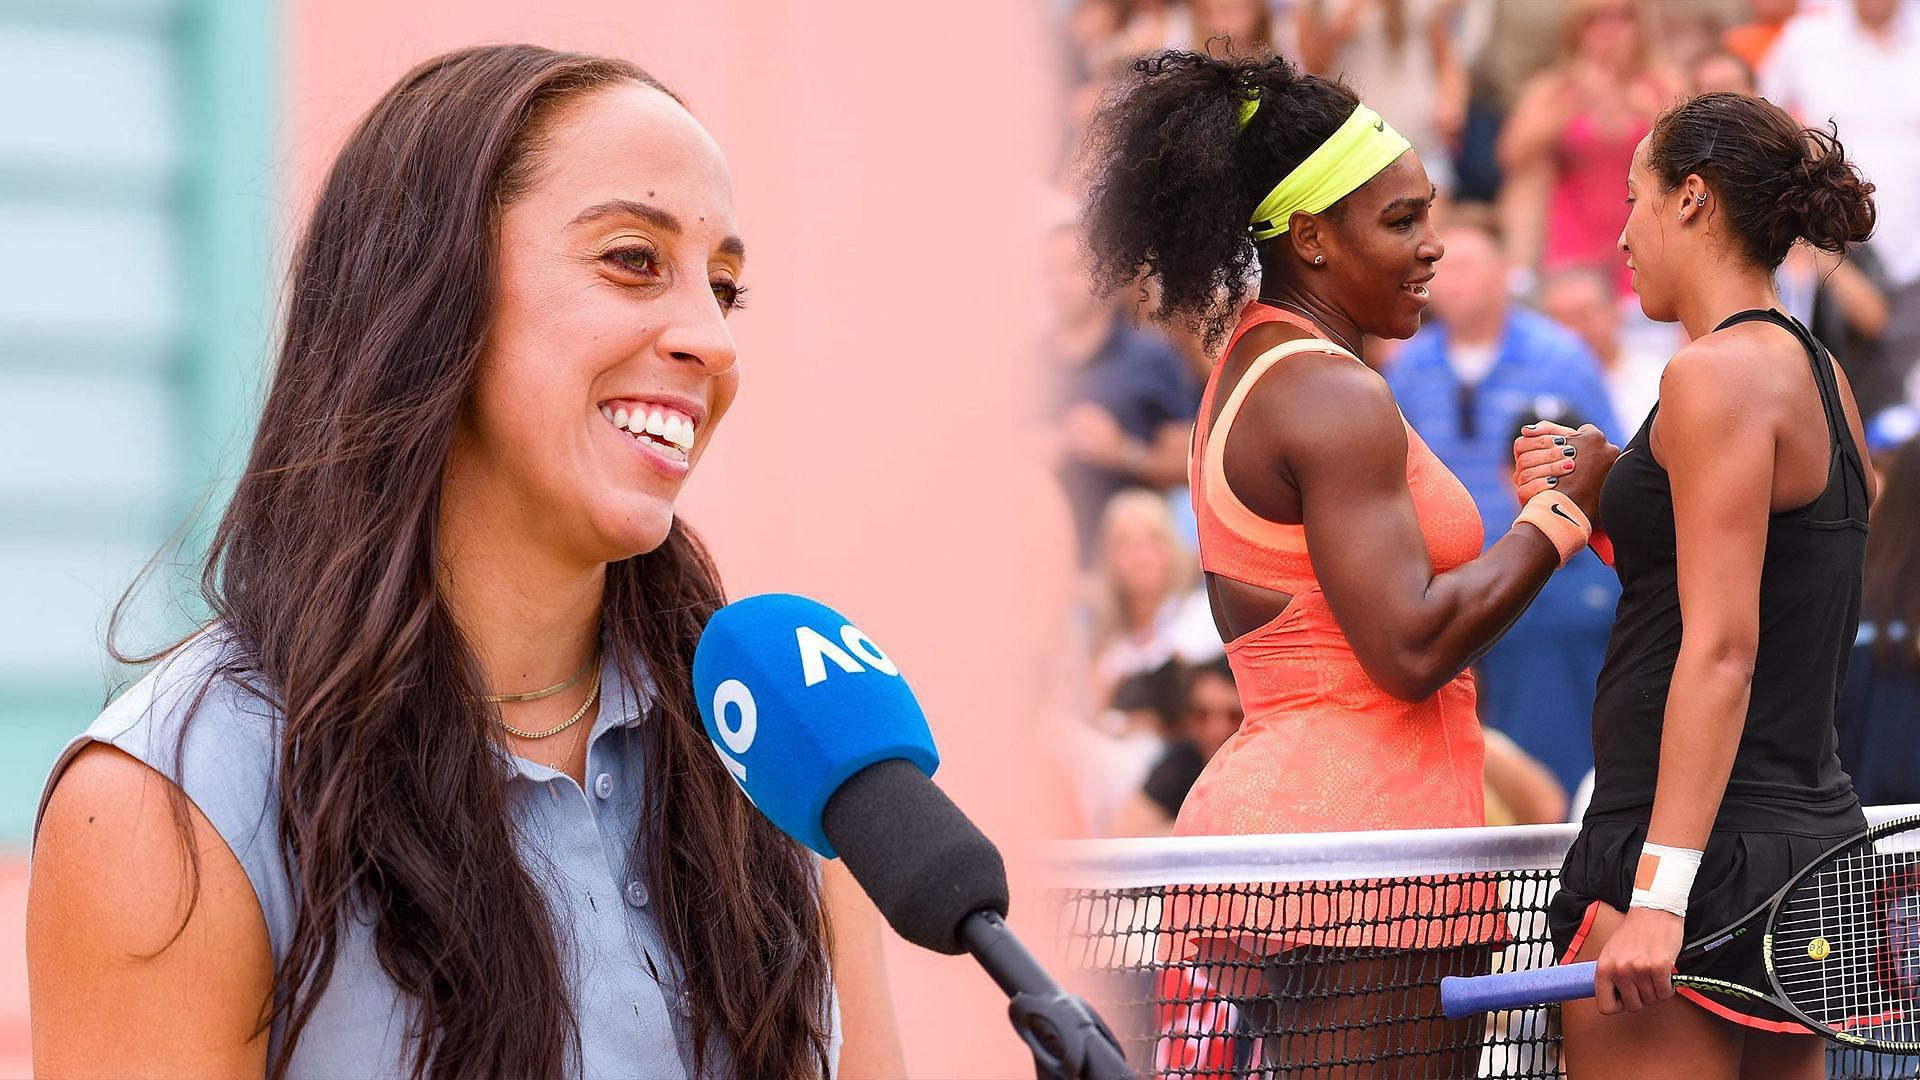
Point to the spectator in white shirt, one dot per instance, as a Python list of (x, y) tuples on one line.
[(1854, 65)]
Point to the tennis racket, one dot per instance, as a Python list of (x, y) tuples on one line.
[(1841, 945)]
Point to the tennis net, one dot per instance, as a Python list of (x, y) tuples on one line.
[(1353, 932)]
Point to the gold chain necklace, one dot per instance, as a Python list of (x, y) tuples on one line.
[(536, 695), (560, 766), (593, 694)]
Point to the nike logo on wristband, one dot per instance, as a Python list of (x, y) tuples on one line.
[(1559, 513)]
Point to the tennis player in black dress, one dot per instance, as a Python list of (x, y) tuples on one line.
[(1738, 516)]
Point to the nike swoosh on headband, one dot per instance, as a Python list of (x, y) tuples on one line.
[(1363, 145)]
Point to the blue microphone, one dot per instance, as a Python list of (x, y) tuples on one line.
[(818, 728), (797, 700), (816, 725)]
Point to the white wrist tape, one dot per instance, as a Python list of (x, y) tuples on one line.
[(1664, 878)]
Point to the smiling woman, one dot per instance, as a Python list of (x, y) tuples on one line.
[(430, 793)]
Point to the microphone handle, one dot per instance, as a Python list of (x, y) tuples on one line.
[(1068, 1040)]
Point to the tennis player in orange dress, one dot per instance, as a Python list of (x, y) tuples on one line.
[(1342, 558)]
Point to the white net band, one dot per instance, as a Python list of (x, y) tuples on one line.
[(1319, 954)]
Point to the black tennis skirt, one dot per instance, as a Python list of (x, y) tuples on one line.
[(1739, 871)]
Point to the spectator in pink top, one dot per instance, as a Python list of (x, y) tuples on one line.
[(1571, 136)]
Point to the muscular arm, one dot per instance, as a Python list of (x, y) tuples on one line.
[(1339, 440), (113, 991), (1720, 463)]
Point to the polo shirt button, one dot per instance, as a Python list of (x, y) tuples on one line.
[(636, 893), (603, 785)]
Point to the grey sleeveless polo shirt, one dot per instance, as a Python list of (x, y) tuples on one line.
[(577, 844)]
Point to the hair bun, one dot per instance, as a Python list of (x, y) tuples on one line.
[(1825, 199)]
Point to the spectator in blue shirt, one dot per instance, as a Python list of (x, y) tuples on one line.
[(1466, 382), (1125, 402)]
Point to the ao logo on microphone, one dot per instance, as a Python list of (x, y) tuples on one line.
[(737, 716), (795, 700)]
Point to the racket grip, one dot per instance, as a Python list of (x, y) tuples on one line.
[(1515, 989), (1602, 545)]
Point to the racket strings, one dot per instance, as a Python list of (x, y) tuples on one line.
[(1845, 943)]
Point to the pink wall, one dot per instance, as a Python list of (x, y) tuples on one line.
[(887, 166)]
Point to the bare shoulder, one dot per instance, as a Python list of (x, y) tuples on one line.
[(1715, 373), (1319, 366), (1310, 384), (1332, 425), (136, 962), (113, 819), (1717, 357), (1320, 394), (1308, 420), (1263, 338)]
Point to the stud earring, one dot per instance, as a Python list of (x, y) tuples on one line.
[(1319, 260)]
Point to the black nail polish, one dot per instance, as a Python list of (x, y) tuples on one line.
[(1559, 440), (1570, 451), (1553, 481)]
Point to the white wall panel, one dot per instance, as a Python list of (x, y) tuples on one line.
[(83, 269), (79, 438), (82, 99), (54, 601)]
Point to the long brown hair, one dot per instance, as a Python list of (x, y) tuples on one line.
[(324, 573)]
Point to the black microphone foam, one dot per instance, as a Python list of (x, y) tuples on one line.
[(924, 865)]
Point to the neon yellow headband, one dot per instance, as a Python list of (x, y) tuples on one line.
[(1350, 157)]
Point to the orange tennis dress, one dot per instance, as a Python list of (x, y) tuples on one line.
[(1323, 748)]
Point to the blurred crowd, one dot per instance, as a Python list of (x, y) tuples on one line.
[(1526, 114)]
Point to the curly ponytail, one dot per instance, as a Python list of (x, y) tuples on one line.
[(1174, 179)]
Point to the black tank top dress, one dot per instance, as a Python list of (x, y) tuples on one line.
[(1788, 799)]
